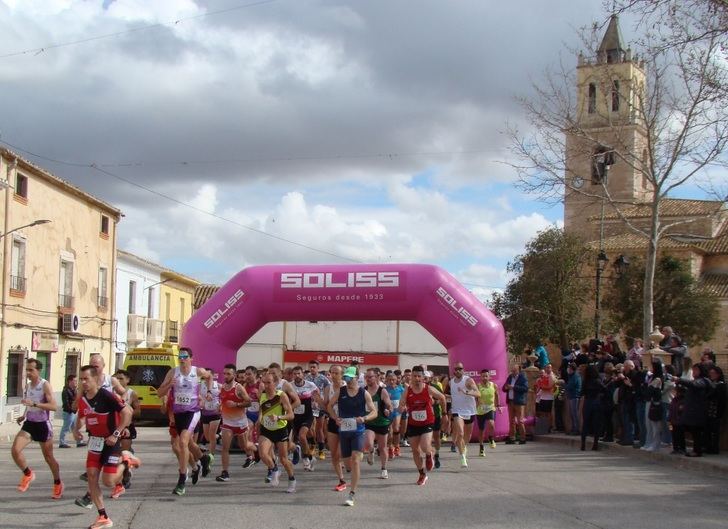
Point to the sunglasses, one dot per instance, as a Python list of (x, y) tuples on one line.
[(183, 357), (458, 369)]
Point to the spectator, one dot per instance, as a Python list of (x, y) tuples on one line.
[(627, 381), (695, 415), (677, 351), (609, 380), (707, 356), (516, 390), (573, 397), (653, 409), (542, 356), (677, 412), (668, 391), (545, 393), (667, 332), (635, 353), (68, 399), (612, 349), (716, 409), (592, 393)]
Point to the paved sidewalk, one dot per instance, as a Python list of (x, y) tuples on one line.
[(716, 465)]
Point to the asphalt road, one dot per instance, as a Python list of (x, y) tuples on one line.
[(536, 486)]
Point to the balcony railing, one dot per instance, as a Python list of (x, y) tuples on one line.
[(102, 302), (65, 301), (17, 283), (172, 331)]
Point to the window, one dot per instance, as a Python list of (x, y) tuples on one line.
[(103, 300), (65, 298), (147, 375), (592, 104), (104, 225), (615, 96), (45, 360), (16, 374), (72, 365), (150, 303), (17, 266), (21, 185), (132, 297)]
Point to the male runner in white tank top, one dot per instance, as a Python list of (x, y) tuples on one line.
[(463, 391)]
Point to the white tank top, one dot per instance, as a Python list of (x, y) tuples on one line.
[(36, 394), (462, 404), (186, 391), (210, 398), (106, 383)]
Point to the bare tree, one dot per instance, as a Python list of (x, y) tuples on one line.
[(676, 108)]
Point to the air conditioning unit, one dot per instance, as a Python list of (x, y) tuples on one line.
[(155, 332), (136, 329), (70, 324)]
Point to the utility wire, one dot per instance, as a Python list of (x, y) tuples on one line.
[(39, 50)]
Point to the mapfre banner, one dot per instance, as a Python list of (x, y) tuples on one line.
[(303, 357)]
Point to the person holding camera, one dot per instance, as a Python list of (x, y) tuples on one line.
[(653, 419), (695, 412)]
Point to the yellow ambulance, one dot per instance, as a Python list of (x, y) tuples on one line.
[(147, 367)]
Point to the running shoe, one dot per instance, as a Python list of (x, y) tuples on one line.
[(131, 460), (481, 453), (306, 464), (57, 491), (321, 455), (64, 445), (296, 455), (463, 461), (396, 451), (428, 462), (437, 460), (25, 481), (492, 443), (249, 462), (452, 448), (370, 458), (340, 487), (126, 478), (269, 476), (83, 477), (224, 476), (350, 500), (118, 491), (522, 442), (291, 486), (311, 462), (404, 442), (384, 475), (196, 473), (422, 479), (275, 478), (101, 522), (206, 462), (84, 501), (391, 452), (180, 489)]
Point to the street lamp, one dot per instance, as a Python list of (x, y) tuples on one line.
[(34, 223), (621, 264), (602, 259)]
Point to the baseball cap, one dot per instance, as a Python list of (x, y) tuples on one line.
[(350, 372)]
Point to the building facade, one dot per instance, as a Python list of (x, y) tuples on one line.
[(177, 292), (58, 260)]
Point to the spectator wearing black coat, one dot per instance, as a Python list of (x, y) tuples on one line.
[(716, 409), (695, 414), (677, 351), (592, 393)]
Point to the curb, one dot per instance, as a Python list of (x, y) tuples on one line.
[(715, 465)]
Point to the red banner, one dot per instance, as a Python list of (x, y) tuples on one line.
[(303, 357)]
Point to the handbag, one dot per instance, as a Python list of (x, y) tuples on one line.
[(655, 411)]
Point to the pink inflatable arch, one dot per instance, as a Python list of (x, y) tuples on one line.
[(425, 294)]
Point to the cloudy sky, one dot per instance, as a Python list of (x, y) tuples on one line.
[(361, 130)]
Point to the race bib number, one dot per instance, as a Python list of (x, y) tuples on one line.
[(300, 409), (210, 405), (316, 413), (269, 423), (419, 415), (348, 425), (183, 400), (95, 444), (254, 406), (395, 405)]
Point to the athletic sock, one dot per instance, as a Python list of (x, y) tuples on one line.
[(320, 446), (27, 471), (182, 479), (57, 481), (102, 512), (291, 478)]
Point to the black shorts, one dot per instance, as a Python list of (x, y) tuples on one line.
[(299, 421), (437, 426), (107, 460), (488, 416), (207, 419), (466, 421), (332, 427), (379, 430), (186, 420), (544, 406), (40, 432), (416, 431), (132, 432), (275, 436)]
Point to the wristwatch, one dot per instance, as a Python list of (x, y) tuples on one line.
[(116, 434)]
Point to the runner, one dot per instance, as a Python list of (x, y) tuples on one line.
[(395, 391), (308, 393), (488, 404), (379, 426), (275, 413), (106, 416), (418, 401), (128, 435), (210, 399), (233, 402), (355, 407), (185, 381), (319, 422), (405, 382), (252, 388), (39, 401), (332, 429), (284, 385), (463, 391), (437, 409)]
